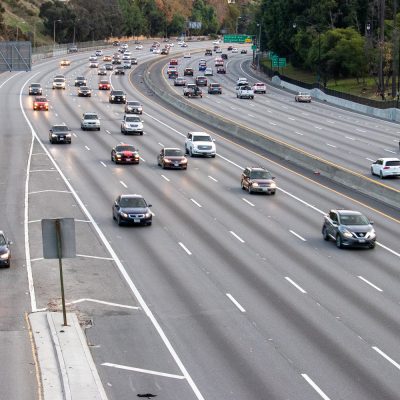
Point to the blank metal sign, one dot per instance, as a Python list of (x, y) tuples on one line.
[(67, 235)]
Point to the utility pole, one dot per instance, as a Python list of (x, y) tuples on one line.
[(381, 46), (395, 66)]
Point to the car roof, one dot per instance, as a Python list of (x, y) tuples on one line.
[(90, 113), (347, 212), (257, 169), (389, 159), (131, 196), (172, 148), (200, 133)]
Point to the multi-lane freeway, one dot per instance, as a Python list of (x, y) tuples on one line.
[(227, 295)]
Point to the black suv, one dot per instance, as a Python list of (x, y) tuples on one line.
[(258, 179), (349, 229), (35, 89), (80, 81), (131, 209), (117, 96), (5, 252), (60, 134)]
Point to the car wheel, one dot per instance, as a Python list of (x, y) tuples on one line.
[(213, 156), (98, 129), (119, 222), (381, 175), (141, 133), (114, 216), (372, 246), (243, 188), (273, 192), (249, 189), (325, 234), (83, 128), (186, 150), (148, 223), (339, 243), (190, 153)]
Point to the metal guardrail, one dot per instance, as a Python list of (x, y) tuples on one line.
[(383, 105)]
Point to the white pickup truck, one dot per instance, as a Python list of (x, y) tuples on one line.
[(244, 92)]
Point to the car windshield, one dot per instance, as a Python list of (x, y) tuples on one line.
[(353, 219), (59, 80), (132, 119), (59, 128), (133, 103), (216, 85), (173, 152), (393, 163), (80, 78), (104, 82), (125, 148), (132, 202), (118, 93), (201, 139), (41, 99), (83, 88), (35, 85), (3, 241), (260, 175), (91, 116)]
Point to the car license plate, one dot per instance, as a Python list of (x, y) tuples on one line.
[(176, 164), (361, 240), (129, 159), (136, 220), (61, 138)]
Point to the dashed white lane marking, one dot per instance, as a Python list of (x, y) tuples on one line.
[(390, 151), (123, 184), (108, 132), (298, 287), (349, 137), (161, 144), (298, 133), (330, 121), (87, 148), (384, 355), (144, 371), (317, 127), (370, 283), (142, 159), (297, 235), (369, 159), (185, 248), (315, 386), (248, 202), (236, 236), (213, 179), (272, 123), (195, 202), (251, 115), (331, 145), (74, 134), (389, 250), (235, 302), (292, 119), (103, 164), (107, 303), (360, 130), (165, 178)]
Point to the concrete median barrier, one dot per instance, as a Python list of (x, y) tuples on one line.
[(348, 178)]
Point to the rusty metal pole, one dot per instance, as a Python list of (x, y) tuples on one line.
[(59, 253)]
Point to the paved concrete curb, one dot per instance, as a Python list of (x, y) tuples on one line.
[(358, 182), (66, 365)]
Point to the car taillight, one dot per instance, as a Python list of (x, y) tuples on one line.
[(386, 167)]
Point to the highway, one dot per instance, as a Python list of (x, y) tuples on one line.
[(227, 295), (342, 137)]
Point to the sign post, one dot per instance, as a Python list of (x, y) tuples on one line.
[(58, 236)]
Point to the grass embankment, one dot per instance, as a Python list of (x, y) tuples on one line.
[(363, 88)]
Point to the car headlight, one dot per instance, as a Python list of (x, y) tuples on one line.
[(347, 233), (124, 215), (147, 215), (5, 255), (167, 160), (255, 184), (272, 184), (371, 234), (68, 135), (112, 97)]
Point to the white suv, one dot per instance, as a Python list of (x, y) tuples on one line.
[(200, 143), (90, 120), (59, 83), (131, 124)]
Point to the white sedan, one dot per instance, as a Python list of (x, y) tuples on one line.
[(235, 50), (208, 72), (386, 167), (187, 55), (303, 97), (260, 87), (139, 47)]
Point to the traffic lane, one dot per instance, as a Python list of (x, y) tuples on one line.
[(296, 132), (18, 375)]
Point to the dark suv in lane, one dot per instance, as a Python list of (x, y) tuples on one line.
[(5, 252), (35, 89), (258, 180), (349, 229), (117, 96)]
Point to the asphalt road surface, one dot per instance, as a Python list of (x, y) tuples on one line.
[(227, 295)]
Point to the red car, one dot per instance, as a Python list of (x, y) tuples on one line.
[(104, 85), (173, 62), (41, 103), (125, 154)]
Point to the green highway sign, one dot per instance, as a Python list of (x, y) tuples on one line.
[(274, 63), (238, 39), (282, 62), (254, 47)]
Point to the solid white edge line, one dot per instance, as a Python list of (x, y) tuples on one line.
[(95, 257), (298, 287), (387, 248), (297, 235), (145, 371), (370, 283), (113, 254), (236, 236), (384, 355), (195, 202), (185, 248), (315, 386), (235, 302)]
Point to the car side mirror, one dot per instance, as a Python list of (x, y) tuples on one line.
[(9, 242), (149, 205), (273, 177), (371, 222), (51, 130)]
